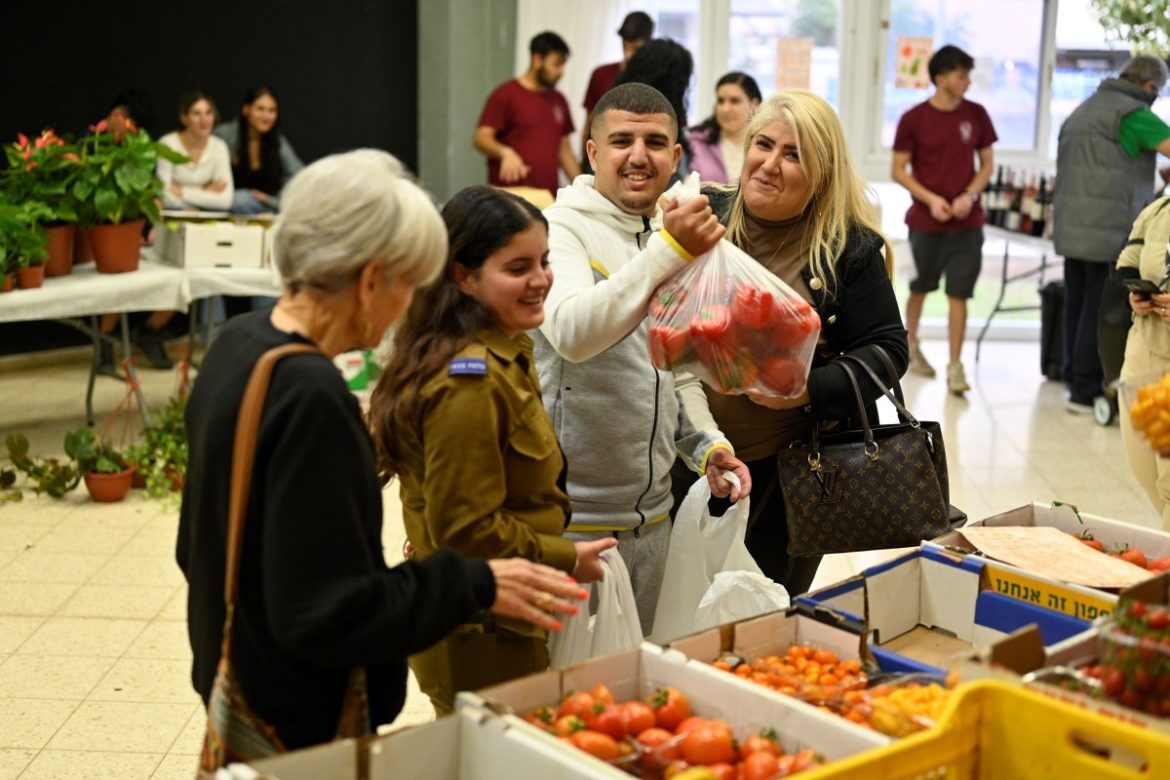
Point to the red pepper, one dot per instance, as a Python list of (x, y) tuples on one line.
[(665, 301), (784, 376), (753, 308), (713, 334), (796, 321), (738, 372), (669, 347)]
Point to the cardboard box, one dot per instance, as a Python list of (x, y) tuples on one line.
[(927, 607), (638, 673), (213, 244), (469, 745), (1076, 600)]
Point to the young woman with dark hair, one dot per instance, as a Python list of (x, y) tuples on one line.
[(667, 66), (263, 160), (457, 417), (717, 144)]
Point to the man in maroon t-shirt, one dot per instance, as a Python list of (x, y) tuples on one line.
[(636, 29), (525, 125), (939, 141)]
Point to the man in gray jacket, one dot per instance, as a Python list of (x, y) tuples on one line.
[(1105, 177), (620, 420)]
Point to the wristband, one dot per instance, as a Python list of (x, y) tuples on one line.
[(974, 196)]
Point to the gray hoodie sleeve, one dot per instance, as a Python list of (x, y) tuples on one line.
[(697, 433)]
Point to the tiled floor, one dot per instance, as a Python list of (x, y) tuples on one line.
[(94, 661)]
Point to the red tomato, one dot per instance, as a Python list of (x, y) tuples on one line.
[(661, 748), (690, 723), (709, 743), (544, 717), (1159, 564), (671, 707), (1112, 681), (1134, 556), (1091, 542), (601, 694), (752, 308), (669, 347), (760, 766), (578, 703), (784, 375), (607, 719), (637, 717), (723, 771), (758, 743), (596, 744), (568, 724), (807, 759), (1158, 619)]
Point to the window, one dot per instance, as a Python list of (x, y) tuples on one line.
[(1003, 36), (764, 33)]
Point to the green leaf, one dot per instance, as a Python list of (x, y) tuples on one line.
[(140, 178), (122, 178), (105, 200)]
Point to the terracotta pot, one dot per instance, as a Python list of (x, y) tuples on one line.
[(60, 262), (176, 477), (7, 282), (139, 480), (108, 488), (116, 247), (33, 276), (82, 247)]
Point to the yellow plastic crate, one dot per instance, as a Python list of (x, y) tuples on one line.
[(994, 730)]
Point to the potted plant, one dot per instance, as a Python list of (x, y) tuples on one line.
[(48, 475), (107, 472), (160, 460), (117, 189), (23, 244), (41, 172)]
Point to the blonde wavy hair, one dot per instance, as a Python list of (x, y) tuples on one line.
[(836, 193)]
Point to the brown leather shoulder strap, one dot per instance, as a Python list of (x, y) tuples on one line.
[(243, 453)]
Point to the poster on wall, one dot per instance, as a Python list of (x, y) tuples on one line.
[(910, 60), (793, 63)]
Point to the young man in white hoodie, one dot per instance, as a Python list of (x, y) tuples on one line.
[(621, 421)]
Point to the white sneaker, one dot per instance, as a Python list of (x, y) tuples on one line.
[(918, 364), (957, 378)]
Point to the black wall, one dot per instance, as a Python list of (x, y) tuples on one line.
[(346, 71)]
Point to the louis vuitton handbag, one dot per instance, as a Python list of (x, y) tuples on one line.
[(875, 487), (235, 733)]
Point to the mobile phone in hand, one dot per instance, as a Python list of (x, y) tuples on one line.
[(1142, 288)]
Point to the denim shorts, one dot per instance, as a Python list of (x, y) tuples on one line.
[(957, 254)]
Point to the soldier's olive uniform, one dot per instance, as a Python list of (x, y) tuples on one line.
[(489, 482)]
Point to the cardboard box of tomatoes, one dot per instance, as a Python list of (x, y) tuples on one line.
[(468, 745), (1144, 547), (674, 688), (926, 606)]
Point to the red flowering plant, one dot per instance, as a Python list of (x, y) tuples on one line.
[(117, 182), (43, 170)]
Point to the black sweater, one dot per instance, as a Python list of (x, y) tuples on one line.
[(857, 311), (316, 597)]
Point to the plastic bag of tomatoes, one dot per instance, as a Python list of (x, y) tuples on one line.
[(731, 322)]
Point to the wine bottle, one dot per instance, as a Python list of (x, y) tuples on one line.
[(1014, 213), (1026, 205), (995, 191), (1040, 208)]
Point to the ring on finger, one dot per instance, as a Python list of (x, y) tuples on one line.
[(543, 600)]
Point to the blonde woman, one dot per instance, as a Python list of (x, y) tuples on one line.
[(800, 210), (1147, 347)]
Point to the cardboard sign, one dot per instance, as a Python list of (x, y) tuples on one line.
[(911, 55), (1053, 553), (793, 63)]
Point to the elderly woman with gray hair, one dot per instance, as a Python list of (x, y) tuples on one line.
[(316, 600)]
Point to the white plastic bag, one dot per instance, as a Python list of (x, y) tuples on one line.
[(731, 322), (710, 576), (614, 628)]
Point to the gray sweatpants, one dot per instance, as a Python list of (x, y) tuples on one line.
[(644, 553)]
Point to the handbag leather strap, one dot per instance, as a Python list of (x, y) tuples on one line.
[(243, 455), (894, 397), (871, 448)]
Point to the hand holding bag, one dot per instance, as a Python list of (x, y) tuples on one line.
[(614, 628), (710, 576), (869, 489), (235, 733)]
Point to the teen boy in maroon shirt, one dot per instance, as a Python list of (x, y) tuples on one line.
[(939, 140), (525, 125)]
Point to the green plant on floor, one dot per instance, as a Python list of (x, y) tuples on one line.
[(48, 475), (94, 454), (8, 489), (161, 457)]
